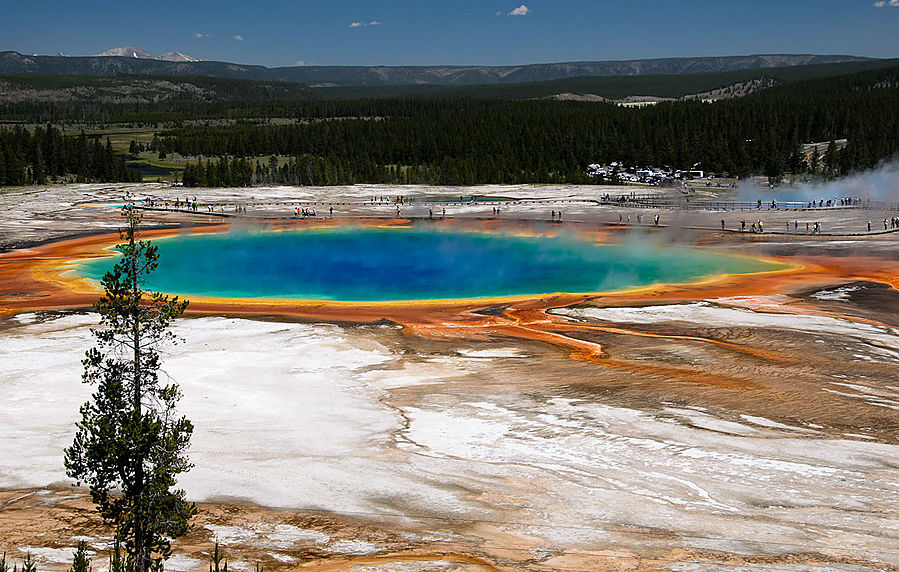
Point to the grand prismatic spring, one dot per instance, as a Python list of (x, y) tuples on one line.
[(355, 264), (478, 391)]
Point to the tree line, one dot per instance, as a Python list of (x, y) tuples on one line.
[(469, 141), (37, 156), (161, 99)]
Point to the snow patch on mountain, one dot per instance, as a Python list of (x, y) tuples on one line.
[(131, 52)]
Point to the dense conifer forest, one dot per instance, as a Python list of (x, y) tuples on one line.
[(469, 140), (44, 153), (475, 141)]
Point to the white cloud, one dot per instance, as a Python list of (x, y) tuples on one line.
[(200, 36), (523, 10), (300, 63), (363, 24), (238, 37), (884, 3)]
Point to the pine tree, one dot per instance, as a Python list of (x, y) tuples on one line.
[(216, 558), (80, 561), (130, 445), (830, 159)]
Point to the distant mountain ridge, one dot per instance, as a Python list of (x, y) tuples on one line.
[(129, 52), (14, 63), (626, 90)]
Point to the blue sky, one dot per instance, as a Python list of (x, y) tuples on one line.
[(460, 32)]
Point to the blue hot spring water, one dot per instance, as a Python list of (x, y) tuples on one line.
[(355, 264)]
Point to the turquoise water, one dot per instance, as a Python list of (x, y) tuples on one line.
[(411, 264)]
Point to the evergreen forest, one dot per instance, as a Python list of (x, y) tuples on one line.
[(42, 154), (461, 140)]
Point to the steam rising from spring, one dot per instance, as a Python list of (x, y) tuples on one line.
[(878, 184)]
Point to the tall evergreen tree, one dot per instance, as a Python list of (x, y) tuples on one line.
[(130, 444), (80, 561)]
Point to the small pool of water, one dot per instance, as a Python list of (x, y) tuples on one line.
[(354, 264)]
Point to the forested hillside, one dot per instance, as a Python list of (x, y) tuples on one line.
[(464, 140), (12, 63), (129, 98), (34, 157)]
